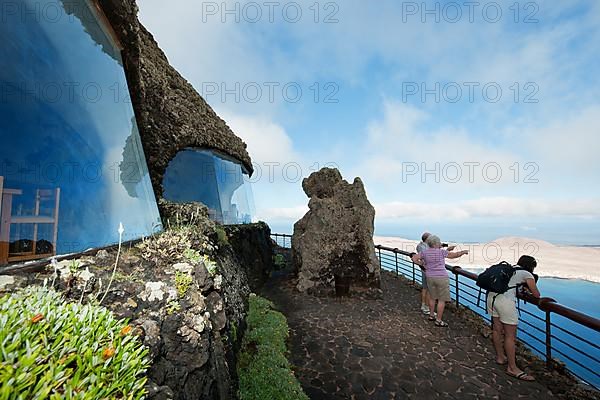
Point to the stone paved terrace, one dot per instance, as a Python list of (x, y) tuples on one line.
[(386, 349)]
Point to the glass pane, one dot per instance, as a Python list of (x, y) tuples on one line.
[(70, 149), (207, 177)]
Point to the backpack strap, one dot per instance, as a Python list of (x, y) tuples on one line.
[(494, 300)]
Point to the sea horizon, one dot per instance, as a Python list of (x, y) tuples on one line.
[(572, 233)]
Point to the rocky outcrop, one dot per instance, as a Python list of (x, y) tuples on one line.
[(171, 115), (183, 291), (253, 248), (332, 245)]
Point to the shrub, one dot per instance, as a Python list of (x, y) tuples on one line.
[(222, 238), (279, 261), (50, 349), (264, 371)]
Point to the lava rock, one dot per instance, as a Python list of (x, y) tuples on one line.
[(332, 245)]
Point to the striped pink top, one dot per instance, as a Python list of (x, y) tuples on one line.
[(435, 262)]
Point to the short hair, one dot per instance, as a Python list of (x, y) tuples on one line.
[(425, 235), (433, 241), (527, 262)]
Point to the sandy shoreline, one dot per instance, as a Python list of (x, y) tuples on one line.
[(568, 262)]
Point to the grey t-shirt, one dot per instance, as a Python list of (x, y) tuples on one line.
[(422, 246)]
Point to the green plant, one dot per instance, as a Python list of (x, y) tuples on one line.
[(210, 265), (234, 332), (222, 238), (182, 282), (192, 255), (74, 266), (279, 261), (50, 349), (173, 306), (264, 371)]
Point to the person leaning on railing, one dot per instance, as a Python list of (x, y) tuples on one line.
[(424, 290), (505, 318), (433, 259)]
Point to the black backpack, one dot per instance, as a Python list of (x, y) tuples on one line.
[(496, 278)]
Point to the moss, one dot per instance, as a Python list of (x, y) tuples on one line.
[(264, 371)]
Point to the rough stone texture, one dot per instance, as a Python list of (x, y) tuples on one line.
[(193, 338), (386, 349), (334, 240), (253, 248), (171, 115)]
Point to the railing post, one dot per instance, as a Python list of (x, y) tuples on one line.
[(456, 288), (413, 272), (379, 250), (396, 256), (548, 341)]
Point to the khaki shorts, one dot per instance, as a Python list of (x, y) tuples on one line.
[(439, 288), (504, 308)]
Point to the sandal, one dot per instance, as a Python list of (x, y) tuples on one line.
[(522, 376), (441, 323), (431, 318)]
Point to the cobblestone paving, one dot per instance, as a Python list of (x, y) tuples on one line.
[(386, 349)]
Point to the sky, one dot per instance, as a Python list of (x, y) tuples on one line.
[(465, 117)]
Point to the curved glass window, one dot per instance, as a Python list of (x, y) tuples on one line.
[(71, 163), (209, 178)]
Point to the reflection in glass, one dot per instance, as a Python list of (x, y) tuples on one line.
[(71, 163), (209, 178)]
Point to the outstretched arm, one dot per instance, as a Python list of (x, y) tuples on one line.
[(457, 254)]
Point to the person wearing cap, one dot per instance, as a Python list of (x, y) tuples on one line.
[(438, 284)]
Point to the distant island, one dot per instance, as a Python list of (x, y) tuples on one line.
[(568, 262)]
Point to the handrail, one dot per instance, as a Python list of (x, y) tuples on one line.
[(545, 304)]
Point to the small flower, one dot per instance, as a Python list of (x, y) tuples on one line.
[(37, 318), (126, 329), (108, 353)]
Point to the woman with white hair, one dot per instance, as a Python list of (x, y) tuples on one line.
[(434, 260)]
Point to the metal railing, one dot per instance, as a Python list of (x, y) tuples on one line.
[(553, 331), (547, 327), (282, 239)]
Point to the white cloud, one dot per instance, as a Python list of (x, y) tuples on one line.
[(267, 141), (282, 214), (569, 143), (494, 207), (401, 141)]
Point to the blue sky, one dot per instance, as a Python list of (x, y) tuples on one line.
[(390, 89)]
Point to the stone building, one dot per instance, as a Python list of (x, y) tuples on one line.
[(96, 126)]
